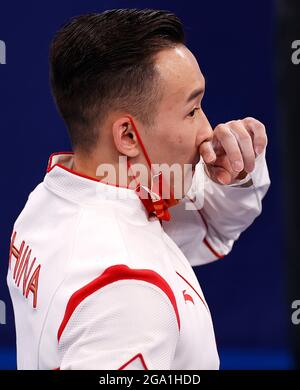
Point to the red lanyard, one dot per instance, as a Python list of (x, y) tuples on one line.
[(152, 199)]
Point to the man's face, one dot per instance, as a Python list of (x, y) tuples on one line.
[(180, 125)]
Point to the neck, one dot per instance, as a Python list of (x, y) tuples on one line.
[(116, 173)]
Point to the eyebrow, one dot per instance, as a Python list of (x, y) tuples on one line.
[(195, 94)]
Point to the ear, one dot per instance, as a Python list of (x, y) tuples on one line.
[(125, 138)]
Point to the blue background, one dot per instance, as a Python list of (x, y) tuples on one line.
[(234, 44)]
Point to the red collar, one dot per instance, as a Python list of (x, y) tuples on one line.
[(154, 203)]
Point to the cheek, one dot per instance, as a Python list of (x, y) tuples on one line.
[(173, 143), (183, 137), (182, 145), (180, 139), (185, 144), (180, 149)]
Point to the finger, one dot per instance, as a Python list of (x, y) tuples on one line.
[(228, 141), (245, 143), (207, 152), (219, 174), (258, 133)]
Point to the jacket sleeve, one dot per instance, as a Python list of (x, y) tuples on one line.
[(128, 324), (212, 216)]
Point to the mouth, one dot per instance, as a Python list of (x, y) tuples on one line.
[(197, 159)]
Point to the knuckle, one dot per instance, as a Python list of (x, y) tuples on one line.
[(218, 127), (223, 131), (236, 155), (255, 123), (233, 122), (250, 120), (243, 136)]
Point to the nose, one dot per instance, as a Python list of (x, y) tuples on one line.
[(205, 132)]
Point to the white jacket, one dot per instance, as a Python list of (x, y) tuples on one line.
[(95, 284)]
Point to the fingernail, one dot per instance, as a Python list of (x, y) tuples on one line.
[(210, 159), (237, 166), (221, 180)]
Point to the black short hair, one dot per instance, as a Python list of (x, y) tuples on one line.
[(104, 61)]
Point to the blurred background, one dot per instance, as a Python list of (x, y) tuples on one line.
[(245, 51)]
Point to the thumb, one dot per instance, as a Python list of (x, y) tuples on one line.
[(207, 152)]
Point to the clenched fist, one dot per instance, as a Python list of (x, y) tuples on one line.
[(231, 153)]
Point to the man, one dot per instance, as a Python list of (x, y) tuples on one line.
[(100, 267)]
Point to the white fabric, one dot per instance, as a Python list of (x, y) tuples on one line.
[(114, 319), (76, 229), (227, 212)]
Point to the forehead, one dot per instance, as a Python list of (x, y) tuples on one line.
[(179, 72)]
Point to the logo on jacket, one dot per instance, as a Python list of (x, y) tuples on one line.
[(187, 297), (25, 269)]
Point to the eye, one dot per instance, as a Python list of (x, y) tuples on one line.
[(192, 113)]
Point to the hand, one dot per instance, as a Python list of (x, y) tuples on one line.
[(231, 153)]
